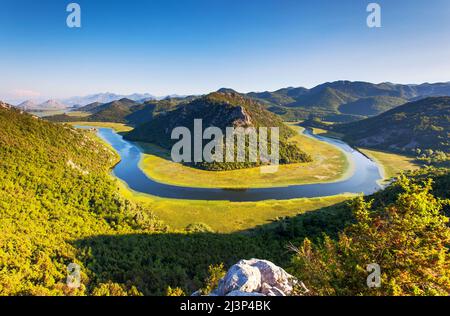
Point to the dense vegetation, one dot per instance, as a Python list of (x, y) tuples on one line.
[(222, 110), (58, 205), (408, 238), (54, 190), (371, 106), (420, 127)]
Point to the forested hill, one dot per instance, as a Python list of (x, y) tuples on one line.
[(219, 109), (414, 127), (55, 189)]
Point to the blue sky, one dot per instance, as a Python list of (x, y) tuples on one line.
[(196, 46)]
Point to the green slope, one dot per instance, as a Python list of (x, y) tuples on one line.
[(90, 108), (327, 99), (115, 111), (371, 106), (423, 124), (55, 188)]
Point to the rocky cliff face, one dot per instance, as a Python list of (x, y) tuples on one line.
[(4, 105), (257, 277)]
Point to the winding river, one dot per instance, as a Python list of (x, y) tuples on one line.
[(363, 179)]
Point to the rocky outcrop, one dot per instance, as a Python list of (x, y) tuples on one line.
[(257, 278), (4, 105), (240, 117)]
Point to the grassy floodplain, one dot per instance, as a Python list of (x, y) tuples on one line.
[(118, 127), (225, 216), (392, 164)]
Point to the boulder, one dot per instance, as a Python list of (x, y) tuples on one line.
[(241, 293), (241, 277), (273, 275), (256, 277)]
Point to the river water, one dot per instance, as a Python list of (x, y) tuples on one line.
[(363, 179)]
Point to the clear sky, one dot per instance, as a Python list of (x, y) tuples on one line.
[(196, 46)]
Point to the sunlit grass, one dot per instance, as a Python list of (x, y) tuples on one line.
[(118, 127), (391, 164), (225, 216)]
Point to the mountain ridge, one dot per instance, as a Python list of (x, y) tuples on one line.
[(326, 100), (413, 128), (51, 104), (356, 99)]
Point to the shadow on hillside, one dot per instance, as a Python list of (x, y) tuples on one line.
[(151, 262), (152, 149)]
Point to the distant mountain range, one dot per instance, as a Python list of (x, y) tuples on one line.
[(345, 100), (47, 105), (120, 111), (339, 101), (419, 125), (77, 102), (83, 101), (106, 98)]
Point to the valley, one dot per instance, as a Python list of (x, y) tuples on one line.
[(225, 216), (97, 188)]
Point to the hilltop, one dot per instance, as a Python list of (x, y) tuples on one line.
[(115, 111), (220, 109)]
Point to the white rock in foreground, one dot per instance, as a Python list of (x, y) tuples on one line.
[(256, 278)]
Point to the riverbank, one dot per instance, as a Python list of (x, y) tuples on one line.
[(225, 216), (330, 164), (391, 164)]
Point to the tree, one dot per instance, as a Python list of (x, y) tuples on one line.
[(408, 239)]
